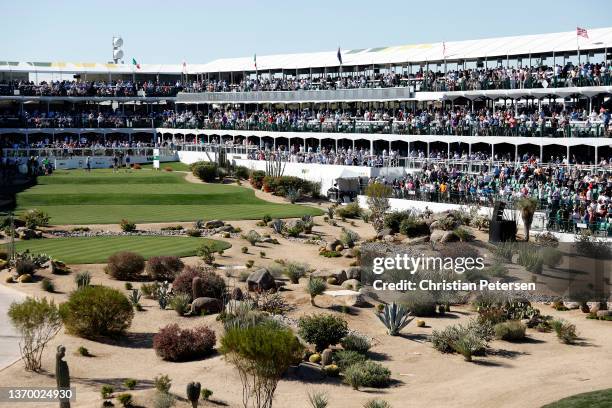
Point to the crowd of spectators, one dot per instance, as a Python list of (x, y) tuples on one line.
[(119, 88)]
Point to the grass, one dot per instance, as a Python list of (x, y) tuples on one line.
[(83, 250), (104, 197), (176, 166), (594, 399)]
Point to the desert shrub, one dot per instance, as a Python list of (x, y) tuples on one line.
[(252, 237), (503, 251), (212, 284), (149, 290), (35, 218), (322, 330), (512, 330), (47, 285), (530, 257), (394, 219), (125, 399), (261, 353), (127, 226), (351, 210), (318, 399), (348, 238), (164, 268), (180, 303), (205, 171), (551, 256), (346, 358), (283, 184), (566, 332), (130, 383), (330, 254), (367, 374), (315, 287), (270, 302), (412, 227), (420, 303), (83, 351), (497, 270), (25, 267), (467, 340), (163, 400), (295, 270), (36, 321), (492, 315), (82, 279), (468, 344), (162, 383), (547, 239), (206, 394), (94, 311), (107, 391), (206, 254), (172, 228), (464, 234), (377, 403), (355, 342), (172, 343), (240, 172), (256, 178), (276, 269), (192, 232), (459, 250), (125, 266), (480, 222)]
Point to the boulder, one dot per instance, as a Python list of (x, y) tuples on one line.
[(27, 233), (213, 224), (326, 357), (572, 305), (354, 273), (436, 235), (351, 284), (449, 236), (604, 313), (331, 246), (388, 238), (25, 278), (416, 241), (205, 304), (59, 268), (383, 232), (347, 253), (594, 307), (236, 294), (261, 280), (310, 372), (325, 274), (224, 228), (356, 300)]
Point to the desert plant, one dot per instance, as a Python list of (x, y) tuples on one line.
[(127, 226), (308, 223), (378, 203), (36, 321), (212, 285), (134, 297), (367, 374), (162, 383), (193, 393), (566, 332), (175, 344), (467, 345), (128, 285), (252, 237), (180, 303), (293, 195), (249, 263), (348, 238), (163, 295), (149, 290), (377, 403), (125, 399), (322, 330), (205, 171), (83, 351), (351, 210), (164, 268), (346, 358), (277, 225), (25, 267), (512, 330), (295, 270), (107, 391), (244, 250), (192, 232), (206, 394), (464, 234), (356, 342), (47, 285), (129, 383), (35, 218), (261, 353), (270, 302), (97, 311), (206, 254), (125, 266), (412, 227), (315, 287), (420, 303), (82, 279), (163, 400), (527, 206), (318, 399), (395, 317), (551, 256)]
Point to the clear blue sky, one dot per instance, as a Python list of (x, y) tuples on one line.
[(171, 31)]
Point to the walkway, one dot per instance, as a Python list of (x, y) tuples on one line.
[(9, 339)]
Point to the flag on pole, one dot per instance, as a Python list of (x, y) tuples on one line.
[(136, 64), (255, 60), (339, 55), (444, 49), (184, 67), (582, 32)]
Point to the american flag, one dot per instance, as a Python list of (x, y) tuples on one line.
[(582, 32)]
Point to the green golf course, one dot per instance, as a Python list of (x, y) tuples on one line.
[(103, 197), (84, 250)]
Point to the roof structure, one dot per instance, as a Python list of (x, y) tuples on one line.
[(490, 48)]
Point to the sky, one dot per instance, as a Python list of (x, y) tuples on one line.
[(157, 31)]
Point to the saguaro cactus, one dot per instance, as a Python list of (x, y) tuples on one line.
[(62, 374), (193, 393)]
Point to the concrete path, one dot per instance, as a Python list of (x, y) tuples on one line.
[(9, 340)]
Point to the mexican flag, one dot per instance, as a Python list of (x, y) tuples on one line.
[(136, 64)]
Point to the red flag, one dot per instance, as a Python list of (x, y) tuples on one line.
[(582, 32)]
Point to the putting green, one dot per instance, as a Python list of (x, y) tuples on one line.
[(595, 399), (84, 250), (105, 197)]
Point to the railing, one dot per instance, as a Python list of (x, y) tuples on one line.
[(86, 90), (69, 122), (528, 129), (81, 152)]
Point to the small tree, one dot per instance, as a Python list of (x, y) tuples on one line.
[(315, 287), (37, 321), (322, 330), (261, 353), (527, 206), (378, 202)]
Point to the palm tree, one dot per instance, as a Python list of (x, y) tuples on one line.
[(527, 206)]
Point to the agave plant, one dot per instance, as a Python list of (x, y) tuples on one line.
[(395, 317), (278, 225)]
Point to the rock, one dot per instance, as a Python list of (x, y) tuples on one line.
[(436, 235), (331, 246), (196, 288), (59, 268), (347, 253), (213, 224), (388, 238), (205, 304), (416, 240), (572, 305), (237, 294), (339, 248), (449, 236), (383, 232), (356, 300), (351, 284), (310, 372), (27, 233), (261, 280), (604, 313), (25, 278), (594, 306), (269, 240), (224, 228), (326, 357), (354, 273), (325, 274)]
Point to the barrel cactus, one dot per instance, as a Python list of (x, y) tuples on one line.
[(395, 317), (193, 393)]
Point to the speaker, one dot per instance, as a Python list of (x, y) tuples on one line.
[(502, 231), (498, 211)]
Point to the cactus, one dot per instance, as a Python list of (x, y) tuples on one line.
[(193, 393), (135, 297), (395, 317), (62, 374), (82, 279), (163, 295), (278, 225), (196, 288)]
